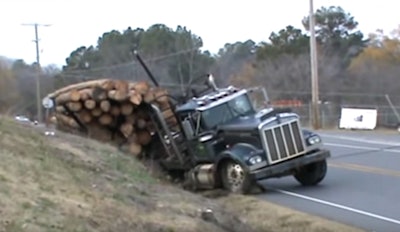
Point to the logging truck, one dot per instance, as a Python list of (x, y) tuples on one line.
[(216, 138)]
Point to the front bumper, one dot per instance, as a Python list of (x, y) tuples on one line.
[(288, 166)]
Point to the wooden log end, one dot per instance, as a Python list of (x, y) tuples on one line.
[(127, 108), (142, 87), (141, 123), (144, 137), (96, 112), (74, 106), (105, 105), (105, 119), (135, 149), (75, 95), (126, 129), (135, 98)]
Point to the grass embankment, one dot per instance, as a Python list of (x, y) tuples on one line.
[(67, 183)]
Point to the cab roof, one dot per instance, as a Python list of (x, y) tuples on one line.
[(210, 100)]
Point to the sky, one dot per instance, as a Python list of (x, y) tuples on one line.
[(75, 23)]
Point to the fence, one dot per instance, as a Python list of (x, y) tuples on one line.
[(330, 111)]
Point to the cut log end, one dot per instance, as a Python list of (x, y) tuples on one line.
[(96, 112), (141, 87), (144, 137), (135, 98), (126, 108), (105, 105), (141, 123), (74, 106), (85, 116), (135, 149), (105, 119), (126, 129), (90, 104)]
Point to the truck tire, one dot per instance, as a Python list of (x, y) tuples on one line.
[(312, 174), (234, 178)]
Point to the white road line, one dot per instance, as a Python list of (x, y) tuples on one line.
[(362, 147), (361, 140), (365, 213), (351, 146)]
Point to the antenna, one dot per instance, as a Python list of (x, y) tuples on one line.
[(146, 69)]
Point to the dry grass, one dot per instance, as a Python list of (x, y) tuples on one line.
[(266, 216), (66, 183)]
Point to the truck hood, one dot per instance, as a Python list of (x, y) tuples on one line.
[(251, 122)]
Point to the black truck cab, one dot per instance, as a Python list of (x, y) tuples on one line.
[(238, 145), (221, 139)]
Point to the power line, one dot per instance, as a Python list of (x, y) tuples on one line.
[(87, 77), (133, 62), (38, 94), (88, 74), (338, 93)]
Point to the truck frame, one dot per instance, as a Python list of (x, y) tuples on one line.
[(215, 138)]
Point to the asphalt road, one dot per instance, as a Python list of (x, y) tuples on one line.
[(362, 187)]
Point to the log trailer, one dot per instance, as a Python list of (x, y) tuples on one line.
[(217, 139)]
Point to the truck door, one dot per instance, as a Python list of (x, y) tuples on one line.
[(200, 141)]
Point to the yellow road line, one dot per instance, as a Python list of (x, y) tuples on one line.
[(362, 168)]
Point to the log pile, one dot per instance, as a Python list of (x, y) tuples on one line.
[(111, 111)]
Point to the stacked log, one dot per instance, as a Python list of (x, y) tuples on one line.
[(112, 111)]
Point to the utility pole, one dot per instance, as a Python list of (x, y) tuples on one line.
[(38, 68), (314, 70)]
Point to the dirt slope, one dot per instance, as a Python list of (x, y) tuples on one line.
[(66, 183)]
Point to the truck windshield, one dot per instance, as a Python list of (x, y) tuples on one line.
[(235, 108)]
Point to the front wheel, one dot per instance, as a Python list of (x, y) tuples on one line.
[(312, 174), (234, 178)]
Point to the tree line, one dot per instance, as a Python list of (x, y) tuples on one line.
[(349, 62)]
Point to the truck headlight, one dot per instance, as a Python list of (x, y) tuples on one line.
[(314, 139), (255, 160)]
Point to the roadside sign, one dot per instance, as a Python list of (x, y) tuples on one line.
[(354, 118), (47, 103)]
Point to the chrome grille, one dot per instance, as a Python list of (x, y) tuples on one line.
[(283, 141)]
